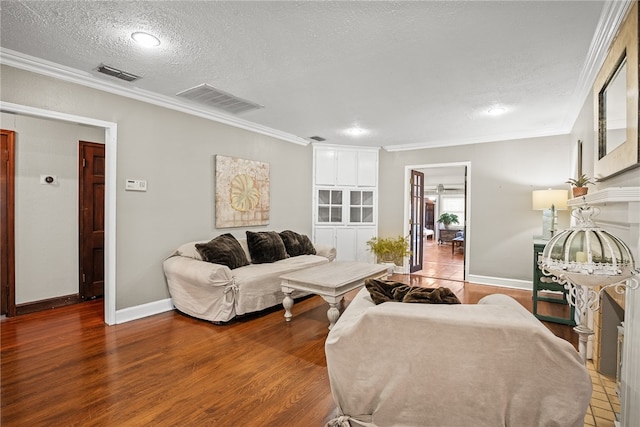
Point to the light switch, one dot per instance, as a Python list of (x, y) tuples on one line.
[(135, 185)]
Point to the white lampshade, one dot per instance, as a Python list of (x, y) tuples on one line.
[(544, 199)]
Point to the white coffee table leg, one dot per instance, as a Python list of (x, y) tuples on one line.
[(333, 313), (287, 303)]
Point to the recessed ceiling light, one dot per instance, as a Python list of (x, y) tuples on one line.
[(356, 131), (496, 111), (146, 39)]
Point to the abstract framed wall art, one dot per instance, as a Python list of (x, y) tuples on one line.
[(242, 192)]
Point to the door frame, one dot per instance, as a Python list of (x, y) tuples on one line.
[(8, 229), (407, 203), (110, 141)]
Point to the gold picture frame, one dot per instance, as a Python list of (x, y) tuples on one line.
[(610, 162)]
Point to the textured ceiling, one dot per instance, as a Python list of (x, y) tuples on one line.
[(413, 73)]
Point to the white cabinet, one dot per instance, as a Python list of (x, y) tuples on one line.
[(325, 167), (325, 236), (350, 167), (346, 241), (345, 197), (350, 242), (347, 168), (363, 235), (368, 168)]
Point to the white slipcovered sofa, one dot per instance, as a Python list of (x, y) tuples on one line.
[(487, 364), (217, 293)]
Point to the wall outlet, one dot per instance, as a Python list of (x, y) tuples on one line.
[(135, 185)]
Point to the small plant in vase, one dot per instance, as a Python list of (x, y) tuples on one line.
[(390, 249), (448, 218), (579, 185)]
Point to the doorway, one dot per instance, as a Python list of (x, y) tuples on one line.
[(41, 232), (446, 190), (110, 138)]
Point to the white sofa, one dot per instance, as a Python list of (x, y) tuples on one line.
[(217, 293), (487, 364)]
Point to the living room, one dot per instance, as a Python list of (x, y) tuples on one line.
[(174, 152)]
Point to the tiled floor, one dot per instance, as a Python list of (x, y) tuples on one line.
[(604, 400), (438, 261), (441, 268)]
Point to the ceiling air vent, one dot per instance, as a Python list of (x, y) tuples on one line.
[(317, 138), (209, 95), (114, 72)]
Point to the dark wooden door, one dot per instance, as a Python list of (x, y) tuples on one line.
[(91, 203), (429, 215), (417, 220), (7, 220)]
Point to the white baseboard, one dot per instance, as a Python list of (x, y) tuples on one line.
[(139, 311), (500, 282), (149, 309)]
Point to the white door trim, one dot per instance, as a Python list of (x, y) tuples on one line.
[(407, 203), (110, 140)]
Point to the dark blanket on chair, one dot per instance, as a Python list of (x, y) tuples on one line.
[(388, 290)]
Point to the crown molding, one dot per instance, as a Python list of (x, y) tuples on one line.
[(477, 140), (57, 71), (344, 146)]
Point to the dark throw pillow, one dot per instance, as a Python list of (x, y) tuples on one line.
[(265, 246), (225, 250), (297, 244), (387, 290)]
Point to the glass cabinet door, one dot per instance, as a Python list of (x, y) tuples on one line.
[(329, 206), (361, 206)]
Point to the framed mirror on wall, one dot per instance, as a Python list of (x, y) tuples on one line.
[(612, 110), (615, 94)]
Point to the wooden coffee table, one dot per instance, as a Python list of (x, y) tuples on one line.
[(331, 281)]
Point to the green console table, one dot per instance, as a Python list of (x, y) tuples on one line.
[(545, 289)]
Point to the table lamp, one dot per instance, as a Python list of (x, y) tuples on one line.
[(549, 202)]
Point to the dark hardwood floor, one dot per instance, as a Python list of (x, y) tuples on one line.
[(65, 367)]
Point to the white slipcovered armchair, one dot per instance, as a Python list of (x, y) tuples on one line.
[(487, 364)]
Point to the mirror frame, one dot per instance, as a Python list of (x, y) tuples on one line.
[(603, 113), (626, 156)]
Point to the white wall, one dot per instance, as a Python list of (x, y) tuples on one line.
[(502, 176), (46, 216), (175, 153)]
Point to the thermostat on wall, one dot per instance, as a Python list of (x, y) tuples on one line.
[(48, 179), (135, 185)]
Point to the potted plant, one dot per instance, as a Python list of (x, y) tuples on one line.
[(579, 185), (390, 249), (448, 219)]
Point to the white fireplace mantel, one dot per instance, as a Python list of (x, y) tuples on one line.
[(609, 195), (620, 215)]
